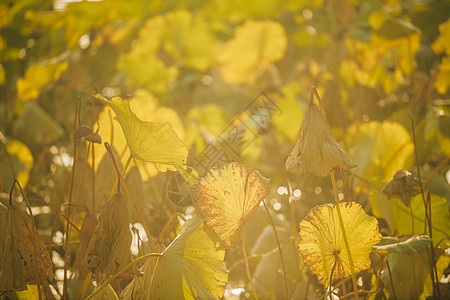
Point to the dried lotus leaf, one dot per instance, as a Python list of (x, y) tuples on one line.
[(24, 258), (82, 131), (109, 248), (316, 150), (107, 293), (403, 186), (87, 230)]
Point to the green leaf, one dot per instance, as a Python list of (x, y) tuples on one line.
[(149, 141), (191, 267), (414, 244), (254, 47)]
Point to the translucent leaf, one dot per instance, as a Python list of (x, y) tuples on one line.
[(441, 264), (442, 42), (322, 244), (254, 47), (191, 267), (227, 197), (414, 244), (36, 77), (16, 165), (380, 149), (150, 141)]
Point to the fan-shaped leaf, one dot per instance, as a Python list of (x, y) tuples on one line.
[(322, 243), (227, 197)]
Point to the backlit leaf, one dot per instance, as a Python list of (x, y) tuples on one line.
[(191, 267), (380, 149), (443, 78), (322, 244), (150, 141), (254, 47), (36, 77), (227, 197)]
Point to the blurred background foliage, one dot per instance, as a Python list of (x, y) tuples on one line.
[(200, 66)]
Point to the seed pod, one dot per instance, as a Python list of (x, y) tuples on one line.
[(403, 186), (316, 150), (24, 258), (87, 230), (109, 247)]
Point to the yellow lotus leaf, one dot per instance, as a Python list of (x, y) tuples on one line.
[(254, 47), (322, 243), (150, 141), (191, 267), (227, 197), (36, 77)]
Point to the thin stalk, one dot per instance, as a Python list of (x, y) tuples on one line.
[(390, 279), (66, 248), (141, 218), (279, 250), (93, 178), (344, 234), (412, 256), (331, 275), (124, 269), (166, 227), (247, 268)]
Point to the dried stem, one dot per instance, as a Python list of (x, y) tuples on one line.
[(279, 250), (124, 269), (247, 268), (66, 248), (390, 279), (344, 234)]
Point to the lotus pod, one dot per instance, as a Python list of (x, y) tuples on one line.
[(403, 186), (316, 150), (23, 258), (109, 247), (87, 230)]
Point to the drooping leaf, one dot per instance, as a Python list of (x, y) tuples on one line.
[(109, 247), (227, 197), (36, 77), (254, 47), (24, 258), (322, 243), (150, 141), (316, 150), (191, 267), (87, 230), (402, 186), (414, 244)]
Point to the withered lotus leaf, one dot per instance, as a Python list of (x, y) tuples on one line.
[(316, 150), (322, 243), (227, 197), (403, 186), (87, 230), (109, 247), (23, 258)]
